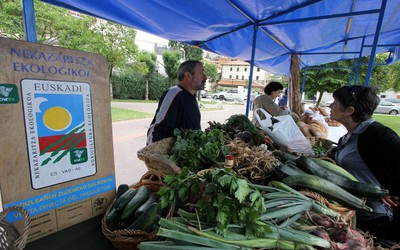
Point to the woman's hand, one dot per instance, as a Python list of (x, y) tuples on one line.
[(391, 201)]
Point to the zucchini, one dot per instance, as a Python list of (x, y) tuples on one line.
[(334, 168), (140, 197), (284, 170), (112, 215), (327, 189), (153, 197), (147, 219), (123, 200), (121, 189), (284, 156), (354, 187)]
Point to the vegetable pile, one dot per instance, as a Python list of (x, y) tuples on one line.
[(265, 200)]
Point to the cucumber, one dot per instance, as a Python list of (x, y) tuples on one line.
[(112, 215), (153, 197), (284, 170), (140, 197), (121, 189), (147, 219), (334, 168), (123, 200), (354, 187), (284, 156), (327, 189)]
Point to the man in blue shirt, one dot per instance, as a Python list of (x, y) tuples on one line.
[(178, 107)]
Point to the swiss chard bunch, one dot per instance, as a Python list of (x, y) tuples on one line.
[(198, 150), (221, 195)]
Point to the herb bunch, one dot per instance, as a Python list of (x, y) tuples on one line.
[(220, 195), (198, 150), (240, 126)]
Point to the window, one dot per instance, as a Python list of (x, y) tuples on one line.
[(245, 69), (230, 76), (231, 68), (257, 78), (237, 77), (237, 69), (258, 69), (242, 77)]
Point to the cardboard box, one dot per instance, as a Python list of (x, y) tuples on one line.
[(56, 151)]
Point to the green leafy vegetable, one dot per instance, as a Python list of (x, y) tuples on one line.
[(198, 150), (220, 195)]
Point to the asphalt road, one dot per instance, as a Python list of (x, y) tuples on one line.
[(130, 136)]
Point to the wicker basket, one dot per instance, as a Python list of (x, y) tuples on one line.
[(130, 239), (153, 156), (10, 236)]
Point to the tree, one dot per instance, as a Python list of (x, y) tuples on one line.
[(189, 52), (211, 72), (146, 64), (171, 64), (48, 20), (114, 41), (394, 76), (337, 74), (56, 26)]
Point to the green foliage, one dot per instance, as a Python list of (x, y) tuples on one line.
[(56, 26), (239, 126), (222, 195), (211, 72), (394, 76), (338, 74), (145, 63), (190, 52), (131, 85), (197, 149), (171, 64)]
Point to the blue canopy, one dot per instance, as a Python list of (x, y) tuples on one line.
[(318, 31)]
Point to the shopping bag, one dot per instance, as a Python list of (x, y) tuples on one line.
[(284, 132)]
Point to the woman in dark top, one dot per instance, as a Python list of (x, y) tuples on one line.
[(369, 151)]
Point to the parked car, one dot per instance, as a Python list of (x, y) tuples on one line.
[(394, 101), (204, 94), (232, 94), (385, 107)]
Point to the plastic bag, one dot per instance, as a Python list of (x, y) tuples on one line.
[(285, 133)]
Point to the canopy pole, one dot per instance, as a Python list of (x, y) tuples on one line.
[(28, 14), (373, 51), (253, 51)]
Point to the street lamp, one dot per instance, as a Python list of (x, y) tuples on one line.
[(184, 53)]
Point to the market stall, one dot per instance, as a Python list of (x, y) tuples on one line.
[(233, 187)]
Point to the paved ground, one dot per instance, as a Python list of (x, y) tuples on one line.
[(130, 136)]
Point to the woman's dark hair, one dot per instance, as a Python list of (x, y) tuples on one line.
[(364, 100), (186, 66), (272, 86)]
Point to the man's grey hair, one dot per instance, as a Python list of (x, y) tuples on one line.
[(187, 66)]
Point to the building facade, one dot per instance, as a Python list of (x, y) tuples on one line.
[(235, 73)]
